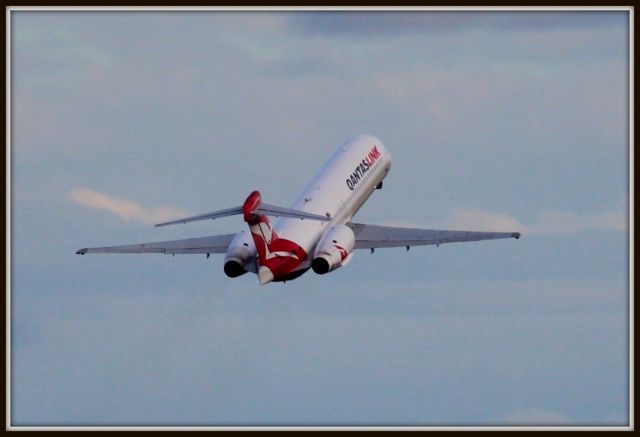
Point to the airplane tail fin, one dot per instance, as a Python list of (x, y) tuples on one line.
[(259, 224), (277, 256)]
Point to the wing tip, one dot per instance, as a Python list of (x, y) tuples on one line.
[(516, 235), (173, 222), (82, 251)]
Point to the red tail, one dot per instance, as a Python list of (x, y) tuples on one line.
[(277, 257), (259, 225)]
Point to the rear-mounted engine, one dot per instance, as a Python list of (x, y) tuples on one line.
[(241, 256), (334, 250)]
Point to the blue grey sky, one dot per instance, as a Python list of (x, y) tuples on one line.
[(509, 121)]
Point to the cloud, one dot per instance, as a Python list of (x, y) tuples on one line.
[(476, 219), (125, 209), (547, 222), (401, 22), (562, 222)]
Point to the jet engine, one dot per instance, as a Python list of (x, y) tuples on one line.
[(334, 249), (240, 256)]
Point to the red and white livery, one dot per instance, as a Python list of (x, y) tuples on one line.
[(316, 231)]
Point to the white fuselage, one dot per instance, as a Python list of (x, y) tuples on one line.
[(338, 190)]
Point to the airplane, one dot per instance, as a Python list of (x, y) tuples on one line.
[(316, 232)]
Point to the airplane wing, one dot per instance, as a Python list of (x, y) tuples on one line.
[(372, 236), (211, 244)]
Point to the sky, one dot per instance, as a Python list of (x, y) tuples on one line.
[(505, 121)]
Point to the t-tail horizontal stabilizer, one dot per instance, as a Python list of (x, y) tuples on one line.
[(262, 208)]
